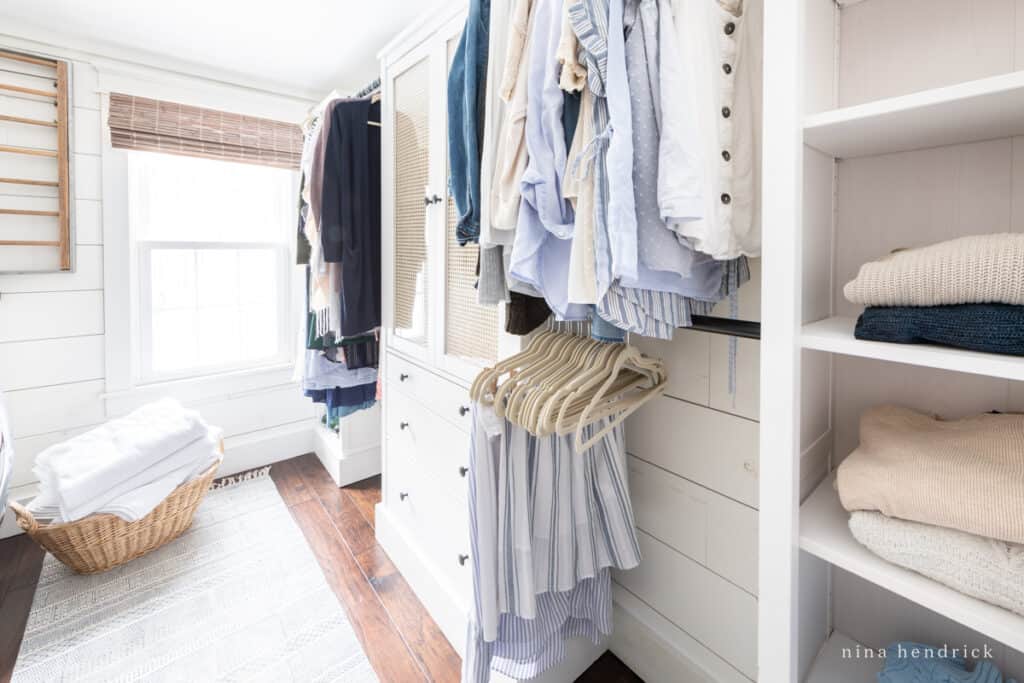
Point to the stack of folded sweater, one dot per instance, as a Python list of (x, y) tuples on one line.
[(126, 467), (943, 498), (967, 293)]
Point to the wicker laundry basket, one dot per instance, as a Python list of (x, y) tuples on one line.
[(100, 542)]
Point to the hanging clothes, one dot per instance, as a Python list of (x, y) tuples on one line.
[(340, 225), (350, 213), (720, 40), (546, 526), (466, 81)]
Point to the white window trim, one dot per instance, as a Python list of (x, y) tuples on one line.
[(144, 315), (121, 294)]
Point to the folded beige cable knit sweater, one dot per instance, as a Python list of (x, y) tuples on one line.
[(983, 568), (980, 269), (961, 474)]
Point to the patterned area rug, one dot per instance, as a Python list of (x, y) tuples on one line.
[(238, 597)]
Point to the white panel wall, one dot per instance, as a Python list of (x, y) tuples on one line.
[(693, 469), (52, 327)]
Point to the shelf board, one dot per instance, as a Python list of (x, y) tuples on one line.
[(830, 665), (836, 336), (983, 109), (825, 533)]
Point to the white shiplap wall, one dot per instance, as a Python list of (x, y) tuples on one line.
[(689, 611), (53, 343)]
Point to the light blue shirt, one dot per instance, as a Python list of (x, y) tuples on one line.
[(621, 202), (540, 253)]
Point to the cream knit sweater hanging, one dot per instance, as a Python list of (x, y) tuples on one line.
[(961, 474), (978, 269)]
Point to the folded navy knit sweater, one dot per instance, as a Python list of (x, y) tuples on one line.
[(992, 328)]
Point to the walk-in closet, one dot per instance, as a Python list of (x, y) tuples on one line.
[(495, 341)]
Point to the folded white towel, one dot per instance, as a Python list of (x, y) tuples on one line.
[(135, 498), (94, 468)]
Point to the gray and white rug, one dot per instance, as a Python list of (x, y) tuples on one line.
[(238, 597)]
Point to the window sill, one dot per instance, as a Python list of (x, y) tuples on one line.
[(219, 386)]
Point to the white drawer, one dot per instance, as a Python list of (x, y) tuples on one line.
[(447, 399), (439, 449), (440, 522)]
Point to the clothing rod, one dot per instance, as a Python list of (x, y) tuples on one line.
[(27, 74), (733, 328)]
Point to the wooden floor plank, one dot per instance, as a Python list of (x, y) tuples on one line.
[(424, 637), (381, 641), (13, 617), (290, 484), (365, 494), (354, 529)]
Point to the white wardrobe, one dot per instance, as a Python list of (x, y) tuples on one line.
[(436, 337), (891, 123)]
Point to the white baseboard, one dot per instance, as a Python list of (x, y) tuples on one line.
[(659, 651), (241, 453), (444, 605)]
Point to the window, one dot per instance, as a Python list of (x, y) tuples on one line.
[(212, 244)]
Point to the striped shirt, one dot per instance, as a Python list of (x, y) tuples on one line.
[(546, 523)]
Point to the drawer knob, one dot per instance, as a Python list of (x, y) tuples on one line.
[(403, 425), (402, 495), (463, 471), (402, 377), (462, 560), (463, 410)]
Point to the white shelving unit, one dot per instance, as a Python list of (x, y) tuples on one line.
[(985, 109), (835, 335), (825, 533), (885, 128)]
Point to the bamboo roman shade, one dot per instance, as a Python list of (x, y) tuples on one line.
[(158, 126)]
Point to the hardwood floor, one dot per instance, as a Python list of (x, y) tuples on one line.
[(401, 640)]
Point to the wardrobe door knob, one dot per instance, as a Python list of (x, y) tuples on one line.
[(403, 495), (463, 471), (403, 425), (462, 560), (463, 410), (402, 377)]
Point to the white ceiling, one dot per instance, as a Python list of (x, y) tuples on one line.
[(299, 47)]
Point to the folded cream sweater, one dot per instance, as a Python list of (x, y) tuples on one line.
[(979, 269), (989, 570), (961, 474)]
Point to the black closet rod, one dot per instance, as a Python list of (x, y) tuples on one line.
[(747, 329)]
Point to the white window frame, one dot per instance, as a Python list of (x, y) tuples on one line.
[(144, 314)]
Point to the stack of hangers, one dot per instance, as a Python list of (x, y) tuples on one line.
[(562, 383)]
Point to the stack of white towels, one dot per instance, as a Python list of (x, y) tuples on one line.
[(126, 467)]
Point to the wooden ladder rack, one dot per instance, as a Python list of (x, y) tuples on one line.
[(59, 96)]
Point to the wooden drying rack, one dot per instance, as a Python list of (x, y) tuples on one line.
[(60, 100)]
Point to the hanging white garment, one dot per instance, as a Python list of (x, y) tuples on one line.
[(720, 44)]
